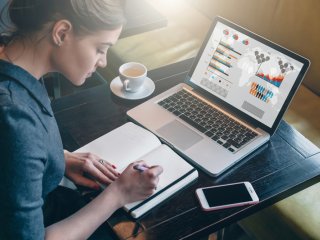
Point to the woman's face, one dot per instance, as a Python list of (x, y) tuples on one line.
[(78, 57)]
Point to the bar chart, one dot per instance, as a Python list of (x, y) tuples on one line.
[(261, 92), (221, 59)]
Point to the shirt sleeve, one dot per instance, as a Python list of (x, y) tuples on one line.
[(22, 161)]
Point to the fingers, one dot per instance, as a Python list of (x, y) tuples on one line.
[(107, 169), (138, 183), (155, 170), (152, 174), (99, 172), (85, 169), (86, 182), (99, 169), (104, 166)]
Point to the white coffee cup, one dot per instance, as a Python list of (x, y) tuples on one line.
[(132, 76)]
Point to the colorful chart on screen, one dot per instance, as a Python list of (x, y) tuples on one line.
[(246, 73)]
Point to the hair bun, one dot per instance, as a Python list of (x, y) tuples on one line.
[(24, 14), (5, 38)]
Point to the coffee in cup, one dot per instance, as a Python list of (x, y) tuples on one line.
[(132, 76)]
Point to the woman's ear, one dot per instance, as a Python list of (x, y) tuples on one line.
[(61, 29)]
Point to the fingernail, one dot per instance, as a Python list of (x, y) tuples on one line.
[(114, 166), (119, 174)]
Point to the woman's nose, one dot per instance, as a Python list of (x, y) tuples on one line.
[(102, 62)]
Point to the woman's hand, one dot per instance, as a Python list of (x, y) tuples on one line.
[(86, 169), (133, 185)]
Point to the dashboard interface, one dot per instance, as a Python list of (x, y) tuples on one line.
[(246, 73)]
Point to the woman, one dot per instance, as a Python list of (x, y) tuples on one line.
[(71, 37)]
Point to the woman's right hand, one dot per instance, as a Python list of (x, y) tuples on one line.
[(133, 185)]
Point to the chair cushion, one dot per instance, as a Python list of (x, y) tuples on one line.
[(178, 41), (296, 217)]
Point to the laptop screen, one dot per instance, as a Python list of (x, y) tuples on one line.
[(251, 76)]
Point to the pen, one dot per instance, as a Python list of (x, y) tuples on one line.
[(140, 167)]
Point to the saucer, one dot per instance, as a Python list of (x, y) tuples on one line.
[(146, 90)]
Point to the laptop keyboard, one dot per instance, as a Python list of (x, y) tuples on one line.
[(227, 132)]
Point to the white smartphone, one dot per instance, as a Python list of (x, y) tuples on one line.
[(226, 196)]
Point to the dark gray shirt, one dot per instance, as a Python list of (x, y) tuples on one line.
[(31, 153)]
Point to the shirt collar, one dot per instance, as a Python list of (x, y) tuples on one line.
[(29, 82)]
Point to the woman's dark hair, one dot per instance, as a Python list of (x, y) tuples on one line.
[(86, 16)]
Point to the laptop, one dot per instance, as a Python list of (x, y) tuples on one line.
[(231, 101)]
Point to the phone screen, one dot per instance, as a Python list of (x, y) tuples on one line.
[(225, 195)]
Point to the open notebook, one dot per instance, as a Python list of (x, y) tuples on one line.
[(129, 143)]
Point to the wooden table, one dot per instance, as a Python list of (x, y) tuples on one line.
[(287, 164)]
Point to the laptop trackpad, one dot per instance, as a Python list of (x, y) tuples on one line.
[(179, 135)]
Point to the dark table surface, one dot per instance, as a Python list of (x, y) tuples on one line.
[(287, 164)]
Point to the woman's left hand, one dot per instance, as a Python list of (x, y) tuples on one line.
[(86, 169)]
